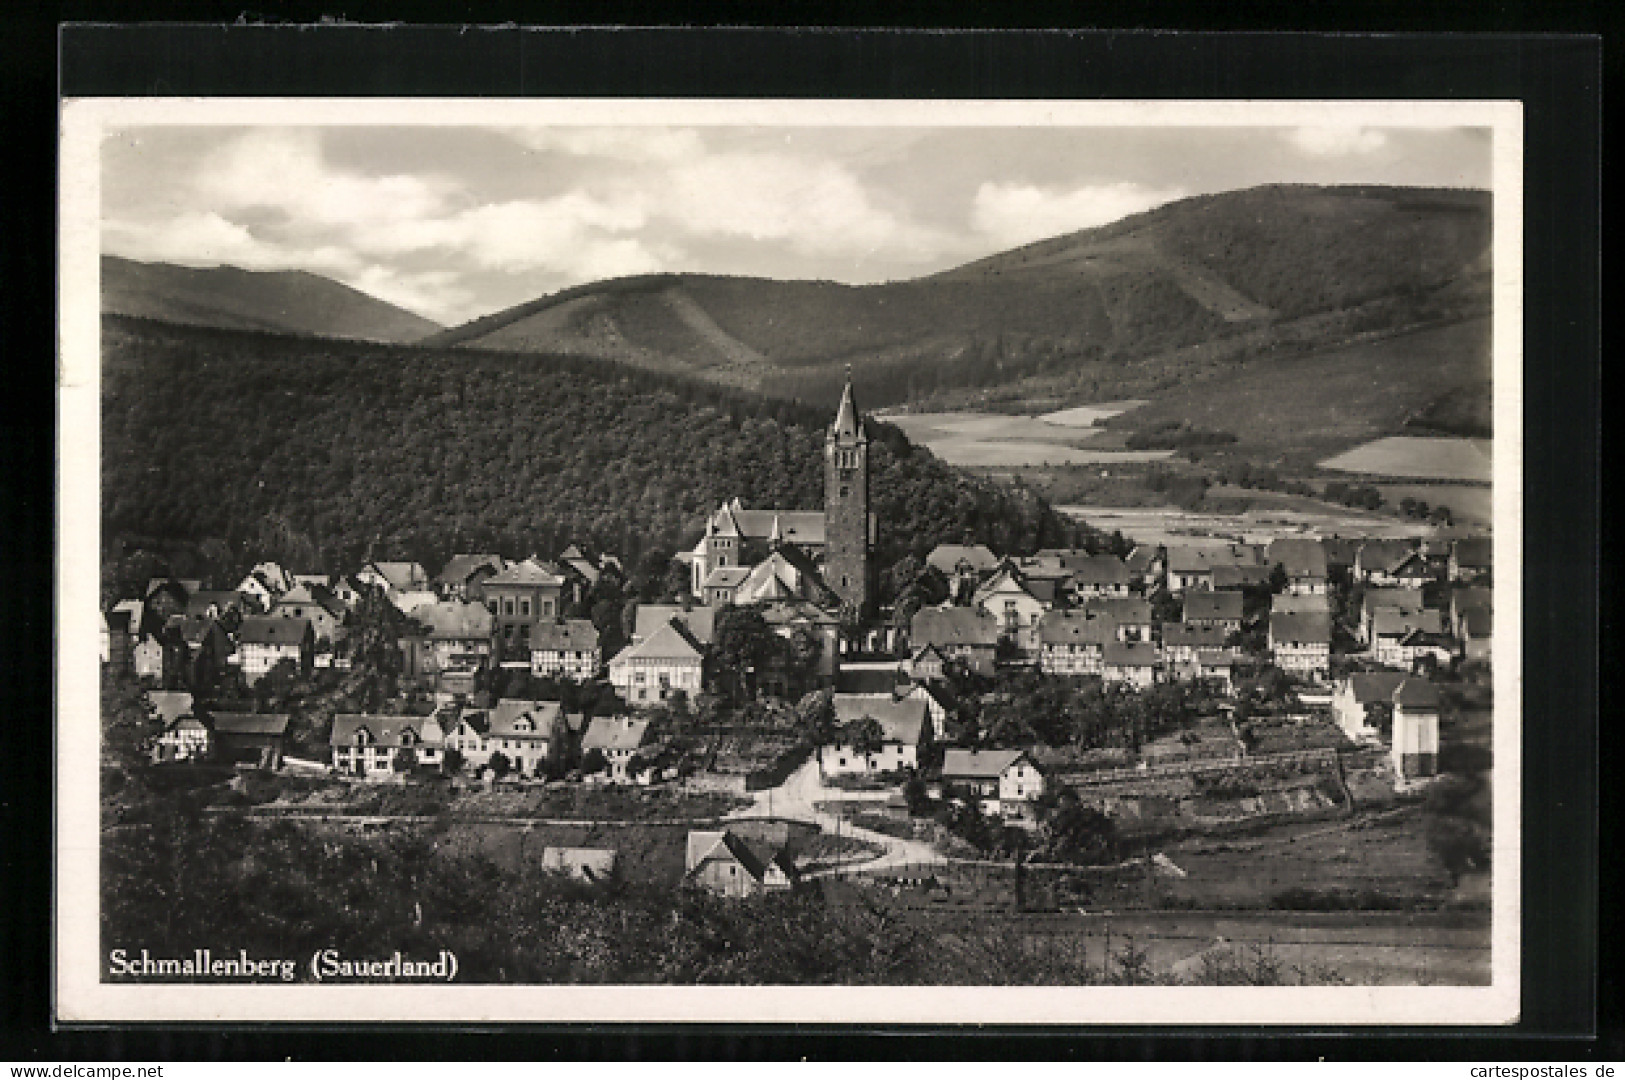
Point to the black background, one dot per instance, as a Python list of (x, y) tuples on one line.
[(1570, 1003)]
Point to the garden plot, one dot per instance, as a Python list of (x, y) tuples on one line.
[(1424, 459)]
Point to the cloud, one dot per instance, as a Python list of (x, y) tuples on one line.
[(621, 144), (1011, 214), (1337, 141), (436, 294)]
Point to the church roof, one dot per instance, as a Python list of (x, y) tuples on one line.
[(846, 424)]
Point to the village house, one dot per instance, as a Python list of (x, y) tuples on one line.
[(1414, 646), (378, 746), (1004, 597), (787, 618), (264, 641), (618, 738), (1472, 560), (248, 738), (465, 732), (116, 642), (1237, 578), (208, 648), (1145, 565), (1304, 563), (525, 732), (323, 610), (1363, 704), (1301, 643), (1220, 610), (590, 865), (958, 633), (184, 738), (167, 705), (1134, 664), (1132, 617), (167, 597), (1391, 563), (964, 565), (216, 603), (722, 584), (394, 577), (928, 664), (464, 574), (1320, 603), (1476, 625), (648, 671), (347, 591), (263, 584), (1190, 567), (1414, 748), (905, 729), (1074, 642), (1003, 783), (1049, 584), (1391, 627), (1182, 641), (736, 537), (1340, 554), (1465, 598), (566, 649), (149, 659), (1099, 576), (938, 703), (785, 576), (1378, 599), (1216, 667), (457, 637), (725, 864), (521, 598)]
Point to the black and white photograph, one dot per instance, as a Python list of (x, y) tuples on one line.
[(723, 560)]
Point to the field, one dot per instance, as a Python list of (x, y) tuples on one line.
[(1167, 525), (1424, 459), (1469, 504), (983, 440)]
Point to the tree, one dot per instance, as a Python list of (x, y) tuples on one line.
[(500, 765), (1166, 607), (406, 759), (815, 718), (1075, 832), (743, 643), (1278, 580), (451, 762), (865, 736), (593, 762), (916, 796)]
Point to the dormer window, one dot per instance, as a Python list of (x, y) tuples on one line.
[(363, 737)]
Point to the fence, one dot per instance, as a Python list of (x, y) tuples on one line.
[(1186, 768)]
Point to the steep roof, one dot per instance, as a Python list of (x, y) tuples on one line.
[(1240, 577), (614, 733), (168, 704), (1006, 581), (1300, 558), (1124, 609), (670, 642), (386, 731), (1301, 602), (1187, 636), (186, 585), (247, 723), (1129, 654), (1477, 622), (197, 628), (978, 764), (1194, 559), (1142, 558), (528, 572), (1383, 554), (401, 575), (700, 621), (1417, 693), (272, 630), (459, 569), (1375, 599), (726, 577), (846, 425), (570, 635), (947, 557), (953, 626), (1098, 570), (1076, 628), (1369, 687), (1306, 627), (506, 715), (901, 720), (868, 680), (1213, 605), (1395, 622), (310, 595), (455, 620)]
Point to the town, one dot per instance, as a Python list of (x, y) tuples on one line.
[(1041, 708)]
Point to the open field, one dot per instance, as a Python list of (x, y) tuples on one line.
[(988, 440), (1425, 459), (1170, 525), (1087, 416), (1469, 504)]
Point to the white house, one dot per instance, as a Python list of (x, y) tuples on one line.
[(1222, 609), (1073, 642), (905, 727), (1471, 559), (1361, 700), (1303, 561), (567, 649), (369, 746), (1004, 597), (1130, 663), (618, 738), (1132, 617), (648, 671), (1191, 567), (1004, 783), (1301, 642), (523, 732), (1415, 746), (265, 641)]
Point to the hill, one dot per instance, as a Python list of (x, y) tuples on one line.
[(324, 452), (290, 301), (1239, 273)]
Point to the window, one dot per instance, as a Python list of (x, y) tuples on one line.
[(507, 605), (845, 491), (524, 607), (547, 607)]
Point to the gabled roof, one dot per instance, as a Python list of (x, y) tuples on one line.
[(1005, 582), (510, 715), (401, 575), (1375, 599), (247, 723), (1194, 559), (455, 620), (1477, 553), (1076, 628), (847, 424), (670, 642), (135, 609), (1301, 602), (726, 577), (168, 704), (1240, 577), (1215, 658), (315, 596), (1300, 558), (954, 626), (200, 602), (706, 845), (1304, 627), (195, 629), (186, 585), (1339, 551), (1477, 623), (700, 621), (1396, 622), (1213, 605), (924, 654), (460, 569), (1384, 555), (1370, 687), (478, 721), (1129, 654), (1098, 570), (528, 572), (1417, 693), (273, 630), (569, 635), (979, 764), (1187, 636), (1132, 610), (868, 680), (948, 557), (386, 731), (1142, 558), (901, 720), (614, 733)]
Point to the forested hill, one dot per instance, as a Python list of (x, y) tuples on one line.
[(1264, 268), (279, 301), (332, 451)]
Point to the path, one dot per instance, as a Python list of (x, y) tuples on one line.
[(797, 799)]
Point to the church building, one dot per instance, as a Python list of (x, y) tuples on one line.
[(754, 556)]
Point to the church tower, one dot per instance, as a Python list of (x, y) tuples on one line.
[(847, 535)]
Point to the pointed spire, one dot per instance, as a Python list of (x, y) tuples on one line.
[(776, 535), (846, 418)]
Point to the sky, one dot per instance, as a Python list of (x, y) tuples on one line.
[(457, 222)]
